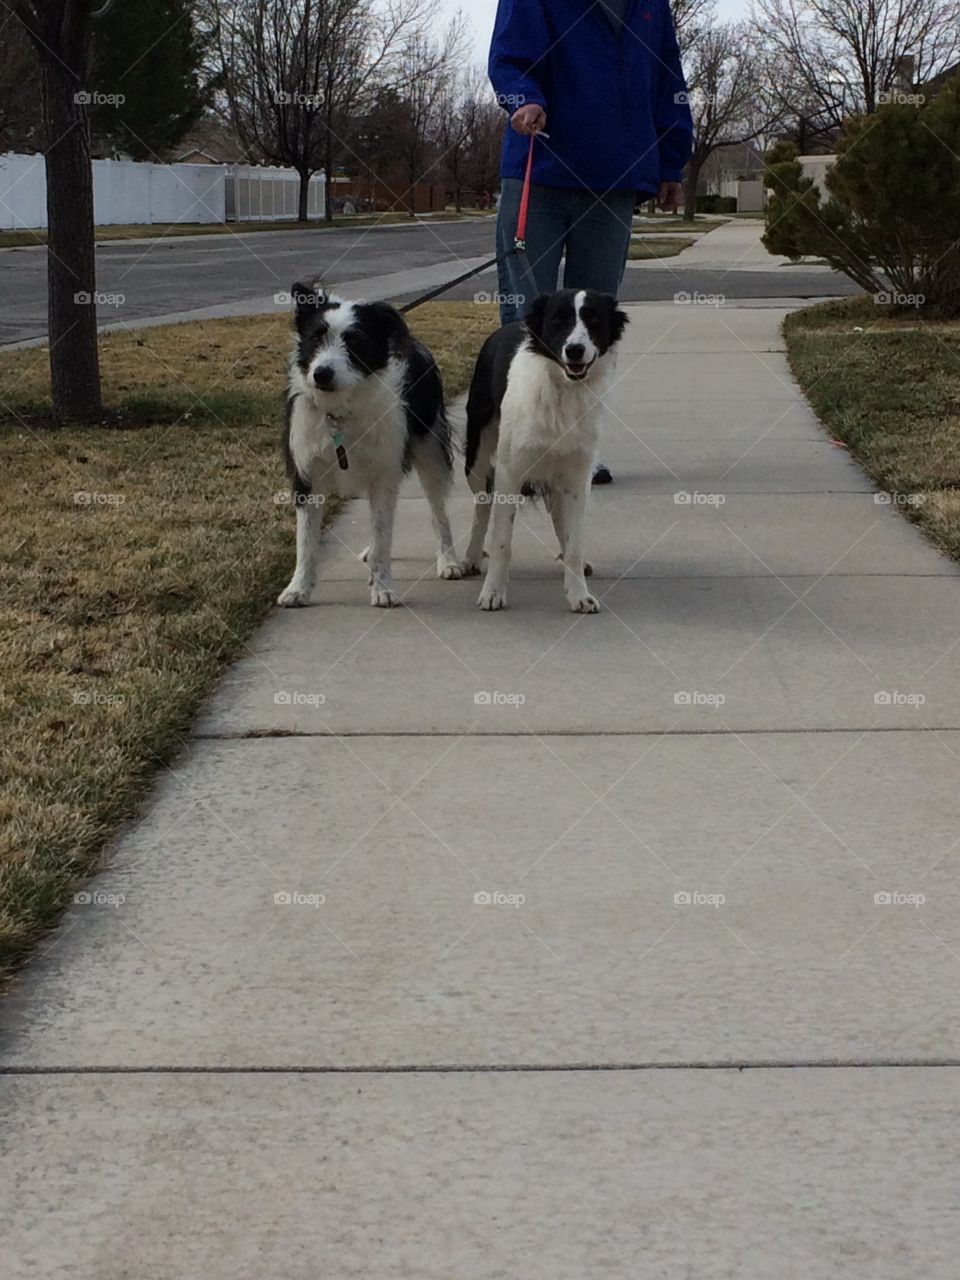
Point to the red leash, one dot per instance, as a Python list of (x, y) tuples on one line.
[(520, 240)]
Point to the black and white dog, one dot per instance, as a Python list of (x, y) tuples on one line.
[(364, 404), (533, 414)]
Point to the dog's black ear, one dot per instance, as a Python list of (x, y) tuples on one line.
[(616, 318), (533, 316), (385, 321), (308, 299)]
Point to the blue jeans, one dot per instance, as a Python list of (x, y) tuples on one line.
[(592, 228)]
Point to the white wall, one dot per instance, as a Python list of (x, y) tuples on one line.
[(124, 191), (816, 167)]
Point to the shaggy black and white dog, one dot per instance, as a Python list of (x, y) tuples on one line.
[(364, 404), (533, 420)]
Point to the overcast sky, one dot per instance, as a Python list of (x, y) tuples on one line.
[(481, 14)]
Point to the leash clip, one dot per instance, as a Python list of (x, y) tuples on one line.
[(337, 436)]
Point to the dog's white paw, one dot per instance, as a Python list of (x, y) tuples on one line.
[(584, 604), (449, 570), (293, 597), (383, 598), (492, 599)]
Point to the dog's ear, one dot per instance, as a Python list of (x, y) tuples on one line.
[(385, 320), (308, 299), (534, 314), (616, 318)]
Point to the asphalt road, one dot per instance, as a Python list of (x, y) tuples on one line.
[(155, 278)]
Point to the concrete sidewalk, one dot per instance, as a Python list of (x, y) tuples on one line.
[(468, 945)]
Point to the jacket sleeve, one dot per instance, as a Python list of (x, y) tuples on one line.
[(671, 112), (519, 45)]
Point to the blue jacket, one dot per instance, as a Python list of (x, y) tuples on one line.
[(616, 104)]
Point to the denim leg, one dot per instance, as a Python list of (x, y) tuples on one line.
[(598, 240), (547, 221)]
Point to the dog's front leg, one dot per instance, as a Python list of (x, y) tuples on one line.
[(383, 506), (309, 525), (570, 497), (505, 498)]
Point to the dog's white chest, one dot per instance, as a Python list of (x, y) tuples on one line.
[(544, 410)]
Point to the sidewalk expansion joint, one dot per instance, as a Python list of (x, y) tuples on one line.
[(245, 735), (480, 1068)]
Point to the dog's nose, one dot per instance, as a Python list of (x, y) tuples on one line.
[(574, 351), (323, 376)]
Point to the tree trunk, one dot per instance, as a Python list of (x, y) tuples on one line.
[(690, 190), (328, 169), (71, 262), (303, 199)]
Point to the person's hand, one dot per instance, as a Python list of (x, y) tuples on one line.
[(670, 196), (529, 119)]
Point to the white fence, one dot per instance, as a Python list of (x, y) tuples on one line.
[(124, 191), (265, 193)]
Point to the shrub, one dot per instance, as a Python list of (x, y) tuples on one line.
[(891, 220)]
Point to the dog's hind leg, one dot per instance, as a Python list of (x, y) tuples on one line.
[(480, 480), (383, 506), (433, 468)]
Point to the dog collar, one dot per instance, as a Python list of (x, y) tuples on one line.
[(336, 434)]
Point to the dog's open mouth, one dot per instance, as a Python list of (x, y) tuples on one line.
[(575, 370)]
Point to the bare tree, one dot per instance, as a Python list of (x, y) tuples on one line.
[(727, 97), (61, 31), (426, 70), (19, 86), (458, 112), (827, 59), (298, 73)]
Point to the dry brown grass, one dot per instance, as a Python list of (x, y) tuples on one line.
[(134, 564)]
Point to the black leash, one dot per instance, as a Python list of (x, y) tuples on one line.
[(484, 266), (519, 249)]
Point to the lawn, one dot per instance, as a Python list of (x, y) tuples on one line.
[(888, 386), (134, 563), (163, 230), (662, 247)]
